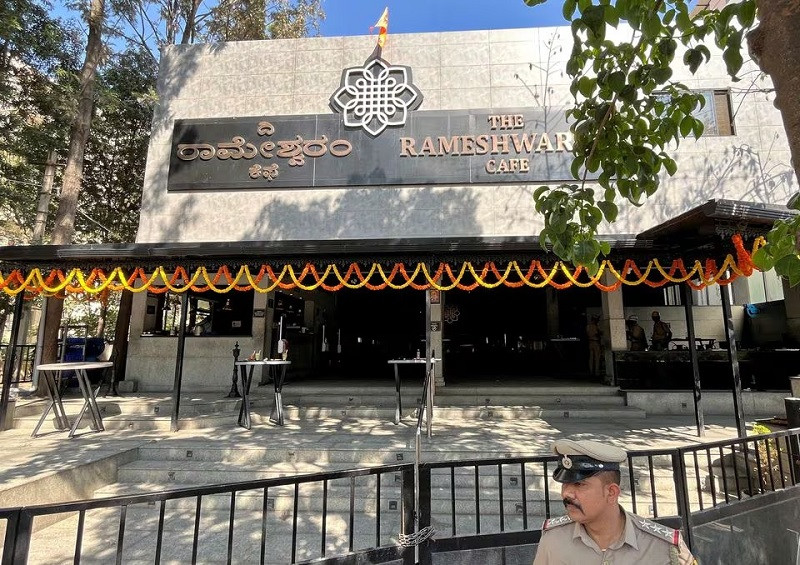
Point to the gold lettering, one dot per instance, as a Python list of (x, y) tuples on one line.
[(191, 151), (236, 149), (544, 143), (316, 147), (504, 166), (563, 142), (448, 146), (500, 143), (467, 145), (525, 143), (265, 128), (506, 121), (428, 147), (482, 144), (292, 149), (407, 147), (340, 148)]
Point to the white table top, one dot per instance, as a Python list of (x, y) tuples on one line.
[(73, 365), (420, 360), (264, 362)]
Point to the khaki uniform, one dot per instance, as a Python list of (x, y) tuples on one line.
[(661, 335), (593, 334), (565, 542), (637, 338)]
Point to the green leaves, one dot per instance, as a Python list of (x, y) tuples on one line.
[(567, 10), (733, 60), (693, 58), (609, 210), (781, 251), (629, 110)]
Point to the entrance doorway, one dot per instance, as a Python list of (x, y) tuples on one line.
[(517, 334)]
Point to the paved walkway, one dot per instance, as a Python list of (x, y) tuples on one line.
[(25, 459)]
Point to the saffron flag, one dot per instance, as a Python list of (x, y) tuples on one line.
[(382, 24)]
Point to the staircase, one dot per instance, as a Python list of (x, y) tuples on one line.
[(329, 427), (177, 463), (315, 401)]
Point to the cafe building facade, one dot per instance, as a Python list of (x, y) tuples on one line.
[(303, 158)]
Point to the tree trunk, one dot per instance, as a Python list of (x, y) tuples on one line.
[(101, 319), (775, 47), (121, 335), (73, 173), (188, 30)]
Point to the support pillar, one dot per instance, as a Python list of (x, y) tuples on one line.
[(269, 319), (686, 298), (741, 290), (8, 367), (437, 332), (612, 325), (733, 358), (553, 320), (176, 387)]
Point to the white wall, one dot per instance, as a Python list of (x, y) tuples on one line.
[(457, 70), (208, 361)]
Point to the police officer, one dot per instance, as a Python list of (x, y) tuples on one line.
[(594, 336), (596, 530), (636, 336)]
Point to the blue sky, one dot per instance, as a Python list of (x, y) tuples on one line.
[(354, 17)]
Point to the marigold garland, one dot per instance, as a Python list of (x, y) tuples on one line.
[(536, 275)]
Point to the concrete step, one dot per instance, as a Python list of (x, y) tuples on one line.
[(294, 412), (505, 399), (136, 405), (132, 422), (167, 472), (388, 399), (591, 390), (535, 412), (371, 453)]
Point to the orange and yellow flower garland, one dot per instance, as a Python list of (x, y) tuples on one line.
[(535, 275)]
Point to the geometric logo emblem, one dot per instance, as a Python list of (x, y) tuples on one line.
[(376, 96)]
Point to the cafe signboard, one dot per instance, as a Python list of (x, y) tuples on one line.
[(376, 137)]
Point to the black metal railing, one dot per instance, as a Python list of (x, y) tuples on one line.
[(23, 361), (348, 517)]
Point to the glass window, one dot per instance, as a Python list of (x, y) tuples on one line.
[(716, 113), (229, 314)]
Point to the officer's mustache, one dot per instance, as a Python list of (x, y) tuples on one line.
[(570, 502)]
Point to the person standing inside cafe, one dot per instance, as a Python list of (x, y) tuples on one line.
[(662, 334), (594, 336), (636, 337)]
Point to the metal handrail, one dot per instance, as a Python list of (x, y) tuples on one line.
[(425, 406)]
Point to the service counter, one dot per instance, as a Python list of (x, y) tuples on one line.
[(761, 369)]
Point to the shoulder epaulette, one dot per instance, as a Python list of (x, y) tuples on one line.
[(669, 535), (551, 523)]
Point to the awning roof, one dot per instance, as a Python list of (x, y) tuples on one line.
[(720, 218), (339, 251), (679, 250)]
